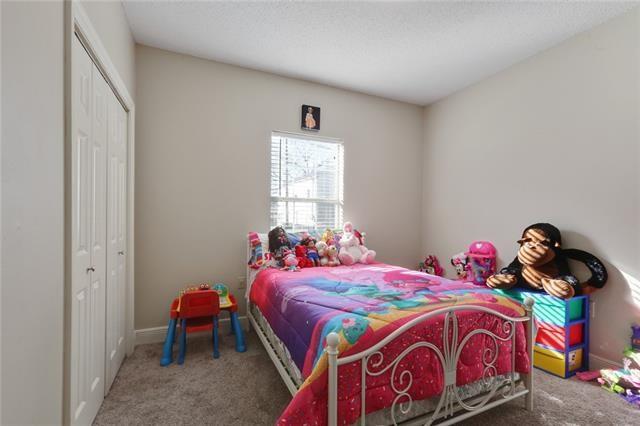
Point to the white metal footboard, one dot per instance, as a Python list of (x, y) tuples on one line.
[(451, 407)]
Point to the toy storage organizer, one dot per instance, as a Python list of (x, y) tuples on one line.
[(562, 338)]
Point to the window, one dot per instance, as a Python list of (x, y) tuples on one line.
[(306, 182)]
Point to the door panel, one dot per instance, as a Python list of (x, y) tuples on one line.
[(116, 226), (81, 245), (88, 263)]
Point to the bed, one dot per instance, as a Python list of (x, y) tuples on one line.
[(380, 344)]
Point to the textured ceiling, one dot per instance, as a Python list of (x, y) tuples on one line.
[(416, 52)]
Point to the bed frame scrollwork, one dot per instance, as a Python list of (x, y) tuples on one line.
[(451, 406)]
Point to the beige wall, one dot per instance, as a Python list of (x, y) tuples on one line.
[(202, 169), (110, 22), (32, 272), (554, 138), (31, 293)]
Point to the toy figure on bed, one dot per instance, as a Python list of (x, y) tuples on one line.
[(459, 261), (352, 249), (542, 265), (279, 244), (290, 262), (312, 252), (328, 254), (302, 254), (257, 259), (431, 266)]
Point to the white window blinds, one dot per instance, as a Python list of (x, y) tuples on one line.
[(306, 182)]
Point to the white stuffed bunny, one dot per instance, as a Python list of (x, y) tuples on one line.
[(351, 249)]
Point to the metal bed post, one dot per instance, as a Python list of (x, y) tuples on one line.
[(530, 330), (332, 390)]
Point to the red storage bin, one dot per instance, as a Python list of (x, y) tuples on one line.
[(553, 336)]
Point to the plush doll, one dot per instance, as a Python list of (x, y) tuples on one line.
[(542, 264), (312, 251), (459, 261), (290, 262), (279, 244), (431, 266), (301, 255), (351, 250), (328, 254), (328, 237), (257, 260)]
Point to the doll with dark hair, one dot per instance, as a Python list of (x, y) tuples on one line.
[(279, 244)]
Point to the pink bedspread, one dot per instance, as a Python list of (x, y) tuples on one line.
[(363, 304)]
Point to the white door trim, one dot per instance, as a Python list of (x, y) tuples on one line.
[(78, 23)]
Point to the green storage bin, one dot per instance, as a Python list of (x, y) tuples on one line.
[(550, 309)]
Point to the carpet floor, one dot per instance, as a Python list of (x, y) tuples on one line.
[(245, 389)]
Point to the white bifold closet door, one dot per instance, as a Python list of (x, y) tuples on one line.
[(98, 203), (116, 238)]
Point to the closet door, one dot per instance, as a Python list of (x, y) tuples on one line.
[(116, 238), (88, 217)]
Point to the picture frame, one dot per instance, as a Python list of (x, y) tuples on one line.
[(310, 118)]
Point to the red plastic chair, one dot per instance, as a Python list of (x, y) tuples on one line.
[(199, 311)]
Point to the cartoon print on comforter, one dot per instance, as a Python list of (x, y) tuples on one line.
[(363, 304)]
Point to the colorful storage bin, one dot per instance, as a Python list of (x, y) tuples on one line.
[(561, 364), (562, 337), (555, 336)]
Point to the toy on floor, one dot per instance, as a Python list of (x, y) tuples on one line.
[(256, 261), (352, 249), (431, 266), (625, 381), (459, 262), (542, 264), (481, 262), (197, 309), (635, 337), (228, 303)]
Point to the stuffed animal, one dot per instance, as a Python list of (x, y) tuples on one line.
[(328, 237), (328, 254), (301, 253), (431, 266), (279, 244), (290, 262), (257, 260), (542, 264), (351, 249), (459, 261)]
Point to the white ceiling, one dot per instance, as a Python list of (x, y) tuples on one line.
[(416, 52)]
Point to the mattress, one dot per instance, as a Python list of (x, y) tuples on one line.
[(363, 304)]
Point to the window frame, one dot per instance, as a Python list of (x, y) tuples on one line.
[(302, 136)]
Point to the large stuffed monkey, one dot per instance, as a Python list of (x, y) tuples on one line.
[(542, 264)]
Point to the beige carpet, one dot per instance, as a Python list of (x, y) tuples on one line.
[(245, 389)]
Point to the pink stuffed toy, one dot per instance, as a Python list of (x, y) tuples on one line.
[(290, 263), (351, 248)]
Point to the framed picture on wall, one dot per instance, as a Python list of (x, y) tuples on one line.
[(310, 118)]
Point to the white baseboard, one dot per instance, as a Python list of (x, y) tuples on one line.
[(158, 334), (597, 362)]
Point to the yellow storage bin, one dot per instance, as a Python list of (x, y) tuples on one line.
[(554, 361)]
